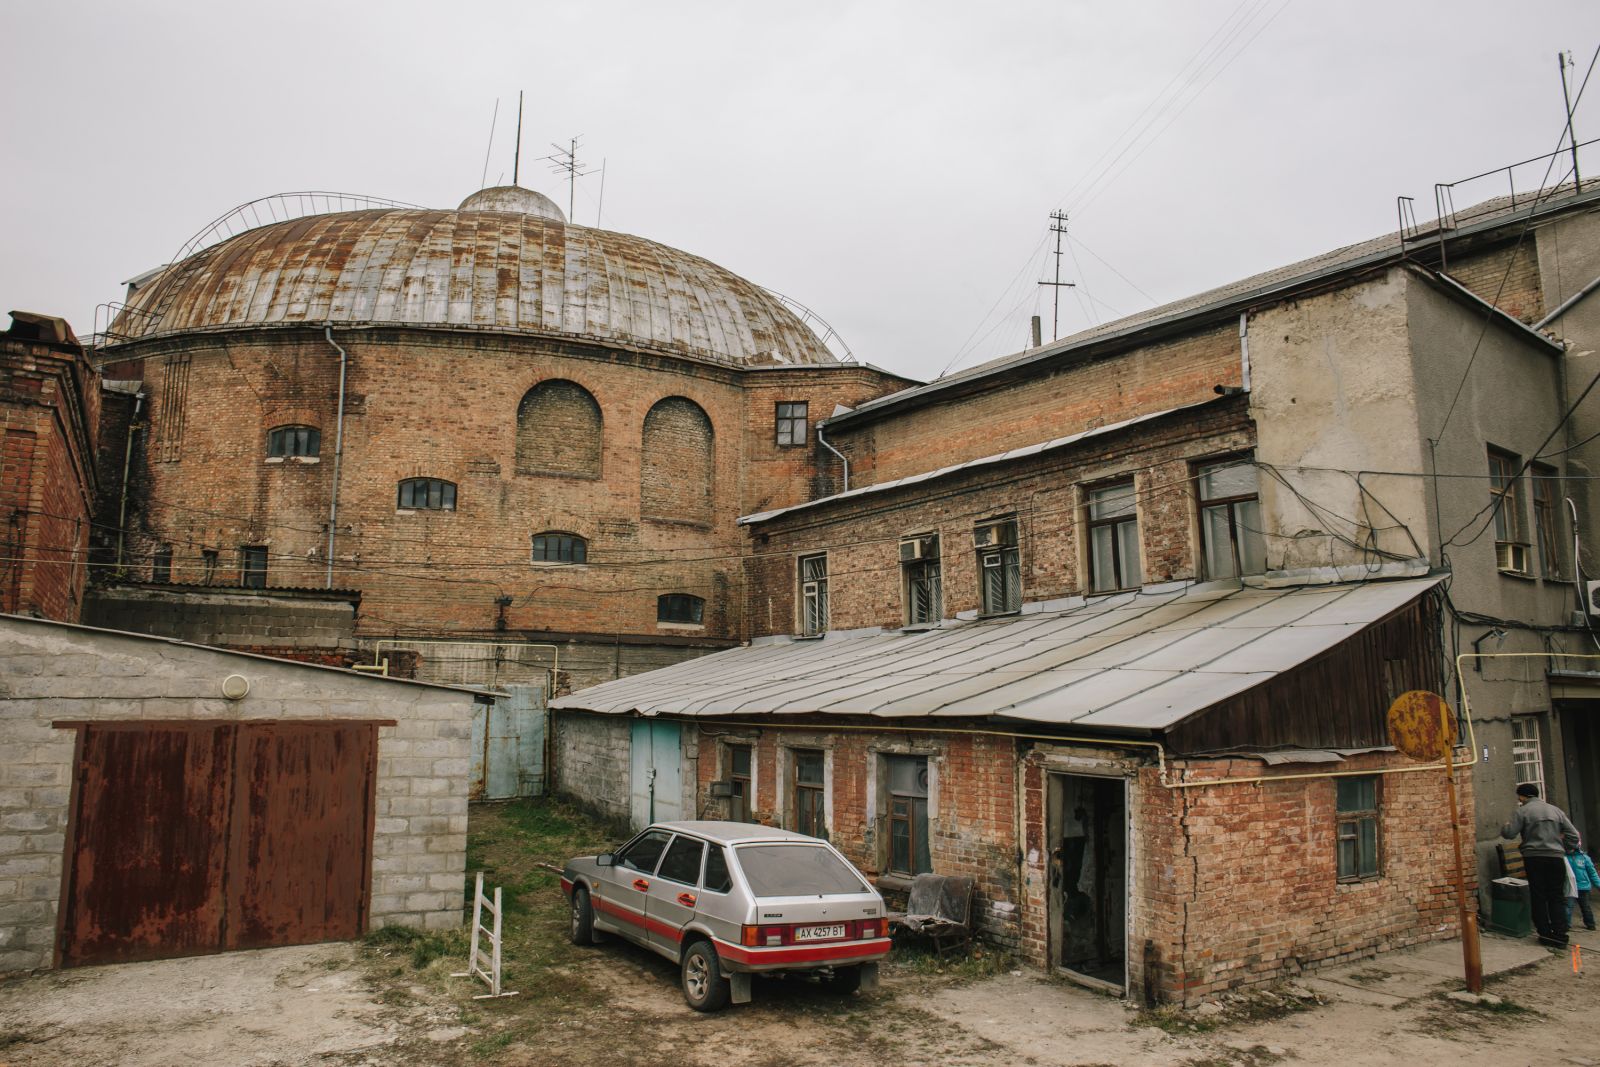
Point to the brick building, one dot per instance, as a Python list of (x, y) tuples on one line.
[(1062, 590), (49, 423), (493, 425)]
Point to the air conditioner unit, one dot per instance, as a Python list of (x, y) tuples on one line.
[(1510, 556), (1591, 597), (911, 550)]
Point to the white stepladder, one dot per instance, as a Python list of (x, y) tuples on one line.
[(480, 965)]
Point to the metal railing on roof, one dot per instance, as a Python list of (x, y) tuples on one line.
[(816, 324), (280, 207)]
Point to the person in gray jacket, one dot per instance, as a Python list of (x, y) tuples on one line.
[(1546, 834)]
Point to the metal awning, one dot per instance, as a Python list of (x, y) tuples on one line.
[(1134, 661)]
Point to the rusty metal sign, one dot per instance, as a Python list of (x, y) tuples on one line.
[(1421, 725)]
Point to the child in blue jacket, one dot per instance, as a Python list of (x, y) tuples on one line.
[(1587, 878)]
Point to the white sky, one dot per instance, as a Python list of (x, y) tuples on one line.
[(890, 165)]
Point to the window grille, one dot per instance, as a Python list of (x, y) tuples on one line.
[(921, 576), (999, 567), (814, 594)]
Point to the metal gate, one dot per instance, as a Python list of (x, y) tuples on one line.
[(508, 744), (656, 784), (196, 837)]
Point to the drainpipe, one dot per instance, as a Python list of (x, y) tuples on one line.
[(1244, 348), (338, 452), (127, 463), (1567, 304), (823, 441)]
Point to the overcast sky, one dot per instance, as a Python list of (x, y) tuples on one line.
[(890, 165)]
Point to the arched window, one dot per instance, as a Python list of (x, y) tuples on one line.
[(559, 430), (676, 468), (428, 494), (552, 547), (286, 441), (680, 607)]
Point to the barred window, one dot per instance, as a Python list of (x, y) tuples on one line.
[(560, 548), (999, 567), (428, 494), (920, 578), (680, 607), (285, 441)]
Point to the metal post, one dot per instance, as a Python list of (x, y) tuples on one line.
[(1572, 139), (1471, 955)]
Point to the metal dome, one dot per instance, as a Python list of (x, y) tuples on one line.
[(490, 265)]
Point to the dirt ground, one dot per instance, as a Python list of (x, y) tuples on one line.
[(391, 1001)]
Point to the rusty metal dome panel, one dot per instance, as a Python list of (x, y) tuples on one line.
[(500, 271)]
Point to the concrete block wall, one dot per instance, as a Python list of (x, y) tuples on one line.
[(593, 761), (51, 673), (232, 619)]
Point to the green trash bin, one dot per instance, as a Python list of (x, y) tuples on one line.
[(1510, 907)]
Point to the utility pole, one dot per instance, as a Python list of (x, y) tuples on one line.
[(1058, 226), (566, 159), (1564, 60)]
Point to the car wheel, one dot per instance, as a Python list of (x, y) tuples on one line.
[(844, 980), (581, 929), (704, 987)]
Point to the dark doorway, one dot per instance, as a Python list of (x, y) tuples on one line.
[(196, 837), (1088, 834), (1580, 749)]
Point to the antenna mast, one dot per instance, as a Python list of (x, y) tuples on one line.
[(566, 159), (1058, 226), (516, 163), (483, 181), (1565, 60)]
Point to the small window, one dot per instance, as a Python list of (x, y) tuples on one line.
[(739, 776), (161, 565), (809, 809), (1546, 522), (253, 566), (1113, 539), (208, 566), (908, 815), (682, 861), (644, 851), (427, 494), (680, 607), (792, 423), (718, 880), (919, 565), (1357, 828), (1527, 760), (999, 567), (1230, 519), (814, 594), (560, 548), (1506, 501), (286, 441)]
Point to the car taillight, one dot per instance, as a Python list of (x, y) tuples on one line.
[(869, 930), (763, 936), (748, 936)]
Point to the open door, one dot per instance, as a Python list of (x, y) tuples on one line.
[(1087, 827)]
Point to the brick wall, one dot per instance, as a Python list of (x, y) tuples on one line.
[(1508, 274), (49, 413), (56, 673), (1040, 404), (442, 572), (1045, 493)]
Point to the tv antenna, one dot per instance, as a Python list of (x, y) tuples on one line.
[(1058, 226), (516, 160), (566, 159)]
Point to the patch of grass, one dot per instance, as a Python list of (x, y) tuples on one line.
[(420, 946), (963, 965), (1174, 1020)]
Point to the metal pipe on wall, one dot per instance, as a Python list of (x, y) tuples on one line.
[(338, 452), (823, 441), (127, 463)]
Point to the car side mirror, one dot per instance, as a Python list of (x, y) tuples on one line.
[(605, 859)]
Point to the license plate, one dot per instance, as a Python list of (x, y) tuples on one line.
[(818, 933)]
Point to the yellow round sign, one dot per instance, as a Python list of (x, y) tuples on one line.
[(1421, 725)]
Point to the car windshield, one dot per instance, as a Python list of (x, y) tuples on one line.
[(796, 870)]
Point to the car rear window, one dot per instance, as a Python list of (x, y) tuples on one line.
[(796, 870)]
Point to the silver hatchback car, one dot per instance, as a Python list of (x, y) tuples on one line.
[(725, 900)]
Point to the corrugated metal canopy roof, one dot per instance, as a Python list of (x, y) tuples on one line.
[(1135, 661)]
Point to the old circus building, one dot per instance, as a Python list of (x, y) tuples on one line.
[(485, 423)]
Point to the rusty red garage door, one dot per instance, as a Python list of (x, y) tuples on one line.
[(195, 837)]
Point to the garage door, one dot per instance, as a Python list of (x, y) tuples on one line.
[(199, 837)]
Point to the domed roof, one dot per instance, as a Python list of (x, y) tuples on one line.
[(503, 262)]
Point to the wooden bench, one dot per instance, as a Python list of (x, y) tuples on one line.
[(1511, 863)]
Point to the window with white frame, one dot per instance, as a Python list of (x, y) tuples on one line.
[(1505, 496), (1527, 760), (814, 594), (919, 566), (1230, 518), (999, 566), (1113, 538)]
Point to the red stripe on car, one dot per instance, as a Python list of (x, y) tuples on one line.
[(644, 922), (819, 954)]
